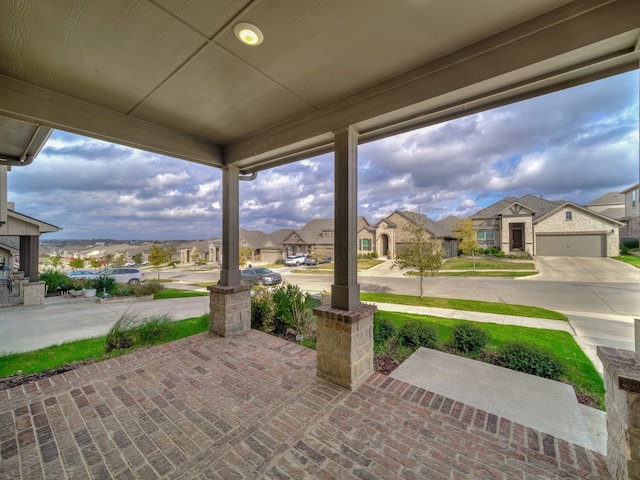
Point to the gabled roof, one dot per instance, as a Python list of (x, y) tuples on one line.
[(19, 223), (311, 233), (611, 198), (585, 210), (614, 212), (279, 236), (632, 187), (434, 228), (538, 204), (254, 238), (449, 221)]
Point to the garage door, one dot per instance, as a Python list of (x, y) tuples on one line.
[(571, 245)]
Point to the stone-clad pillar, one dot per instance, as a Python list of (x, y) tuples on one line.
[(344, 344), (344, 338), (230, 301), (622, 399)]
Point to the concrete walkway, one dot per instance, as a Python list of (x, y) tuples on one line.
[(538, 403)]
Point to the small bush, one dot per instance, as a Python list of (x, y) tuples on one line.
[(529, 359), (469, 338), (418, 334), (383, 329), (56, 280), (130, 331), (262, 310), (150, 287), (105, 284), (624, 250), (631, 243), (372, 255), (292, 310)]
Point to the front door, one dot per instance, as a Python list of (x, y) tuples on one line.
[(516, 240)]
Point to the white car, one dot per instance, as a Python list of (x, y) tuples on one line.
[(131, 276), (297, 259)]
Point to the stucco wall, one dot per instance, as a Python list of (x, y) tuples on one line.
[(581, 223)]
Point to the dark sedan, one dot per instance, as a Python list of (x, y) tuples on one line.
[(260, 276)]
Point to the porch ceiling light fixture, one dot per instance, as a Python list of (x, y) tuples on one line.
[(248, 33)]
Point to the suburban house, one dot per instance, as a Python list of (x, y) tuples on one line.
[(399, 235), (631, 229), (200, 250), (546, 228)]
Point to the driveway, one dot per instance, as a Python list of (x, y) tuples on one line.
[(585, 270)]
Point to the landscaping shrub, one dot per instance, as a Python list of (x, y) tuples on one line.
[(56, 280), (130, 331), (292, 310), (469, 337), (418, 334), (150, 287), (624, 250), (262, 310), (529, 359), (383, 329), (631, 244), (372, 255), (105, 284)]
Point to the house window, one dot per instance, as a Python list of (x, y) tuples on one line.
[(568, 216), (365, 244), (486, 238)]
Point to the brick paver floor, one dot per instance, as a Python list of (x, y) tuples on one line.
[(251, 406)]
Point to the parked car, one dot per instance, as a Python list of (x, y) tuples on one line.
[(297, 259), (82, 274), (130, 264), (312, 261), (125, 275), (260, 276)]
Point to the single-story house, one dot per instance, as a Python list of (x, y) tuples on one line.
[(393, 232), (546, 228)]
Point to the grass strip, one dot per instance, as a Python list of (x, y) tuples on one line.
[(177, 293), (470, 273), (466, 305), (90, 348), (580, 372), (460, 263), (630, 259)]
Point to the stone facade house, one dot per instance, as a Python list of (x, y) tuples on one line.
[(316, 234), (547, 228), (631, 218), (400, 235)]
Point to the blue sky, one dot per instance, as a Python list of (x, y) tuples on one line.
[(575, 145)]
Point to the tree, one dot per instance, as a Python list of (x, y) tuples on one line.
[(245, 254), (119, 261), (56, 261), (318, 254), (158, 256), (137, 258), (467, 240), (108, 259), (94, 262), (421, 253), (76, 263), (172, 251)]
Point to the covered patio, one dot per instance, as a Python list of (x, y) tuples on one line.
[(174, 77)]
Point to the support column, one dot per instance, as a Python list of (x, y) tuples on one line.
[(230, 301), (29, 254), (344, 338), (345, 291), (622, 399)]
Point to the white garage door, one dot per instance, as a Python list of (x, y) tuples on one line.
[(571, 245)]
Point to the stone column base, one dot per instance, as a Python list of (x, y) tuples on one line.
[(622, 399), (344, 344), (230, 309), (33, 293)]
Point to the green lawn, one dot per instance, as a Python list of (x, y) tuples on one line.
[(580, 372), (494, 273), (80, 350), (466, 305), (630, 259), (483, 263), (327, 268), (177, 293)]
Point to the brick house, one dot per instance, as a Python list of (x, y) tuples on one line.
[(547, 228)]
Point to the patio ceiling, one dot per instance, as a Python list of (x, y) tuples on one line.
[(169, 76)]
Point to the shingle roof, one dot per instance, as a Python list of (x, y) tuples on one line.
[(449, 221), (434, 228), (611, 198), (614, 212), (538, 204), (254, 238)]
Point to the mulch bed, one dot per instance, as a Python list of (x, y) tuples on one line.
[(17, 380)]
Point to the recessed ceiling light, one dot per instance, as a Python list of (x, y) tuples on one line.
[(248, 33)]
